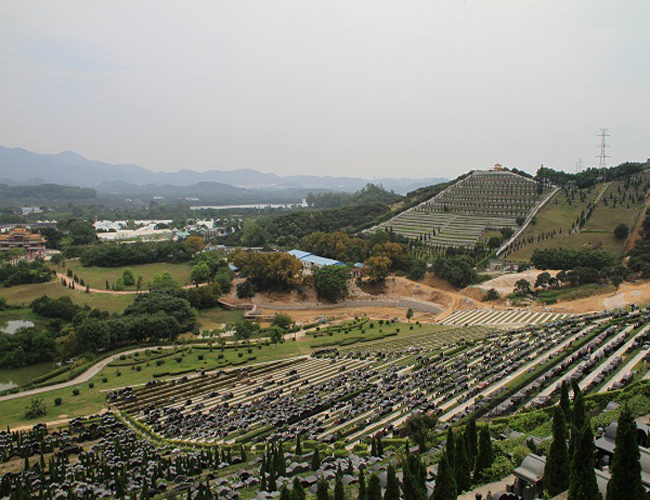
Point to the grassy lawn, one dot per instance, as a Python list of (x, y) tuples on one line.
[(607, 218), (25, 294), (605, 241), (96, 277), (210, 319)]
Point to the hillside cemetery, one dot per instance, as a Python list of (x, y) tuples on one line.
[(464, 212), (218, 432)]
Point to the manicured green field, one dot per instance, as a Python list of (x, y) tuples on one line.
[(96, 277), (602, 241), (25, 294)]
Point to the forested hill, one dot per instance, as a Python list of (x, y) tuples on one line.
[(49, 192), (590, 176)]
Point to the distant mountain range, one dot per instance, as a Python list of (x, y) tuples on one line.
[(22, 167)]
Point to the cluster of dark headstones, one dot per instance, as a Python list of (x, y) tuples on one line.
[(276, 408), (118, 464)]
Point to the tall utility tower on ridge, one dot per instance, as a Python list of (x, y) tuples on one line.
[(602, 157)]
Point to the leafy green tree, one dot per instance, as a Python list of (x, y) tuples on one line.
[(620, 232), (276, 334), (522, 287), (491, 295), (417, 269), (374, 487), (583, 484), (418, 426), (485, 455), (253, 234), (164, 281), (377, 268), (119, 285), (245, 329), (409, 314), (331, 282), (128, 277), (543, 280), (556, 472), (200, 273), (392, 485), (282, 320), (626, 483), (445, 487)]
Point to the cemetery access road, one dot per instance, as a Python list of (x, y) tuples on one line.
[(83, 377)]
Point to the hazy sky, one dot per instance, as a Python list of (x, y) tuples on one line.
[(368, 88)]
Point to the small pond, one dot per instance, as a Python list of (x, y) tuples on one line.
[(12, 326)]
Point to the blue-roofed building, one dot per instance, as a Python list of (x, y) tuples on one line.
[(309, 260), (298, 254)]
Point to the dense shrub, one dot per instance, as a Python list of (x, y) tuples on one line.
[(25, 272)]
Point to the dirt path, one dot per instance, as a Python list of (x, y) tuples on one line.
[(82, 289)]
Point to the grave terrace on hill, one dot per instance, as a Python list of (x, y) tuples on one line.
[(462, 214)]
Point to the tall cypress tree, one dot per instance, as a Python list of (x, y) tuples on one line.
[(392, 484), (415, 476), (284, 493), (583, 485), (450, 447), (565, 402), (298, 446), (374, 488), (485, 455), (362, 486), (445, 487), (339, 492), (472, 437), (556, 472), (578, 416), (322, 489), (297, 491), (315, 459), (625, 483), (462, 468)]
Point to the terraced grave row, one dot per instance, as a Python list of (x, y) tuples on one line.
[(501, 318)]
